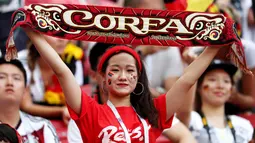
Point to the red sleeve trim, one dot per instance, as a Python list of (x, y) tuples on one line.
[(160, 104)]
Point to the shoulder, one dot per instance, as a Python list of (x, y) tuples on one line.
[(243, 127), (195, 121), (34, 120), (239, 121)]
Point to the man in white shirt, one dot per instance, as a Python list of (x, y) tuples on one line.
[(12, 88)]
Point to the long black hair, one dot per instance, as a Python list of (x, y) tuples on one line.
[(142, 103)]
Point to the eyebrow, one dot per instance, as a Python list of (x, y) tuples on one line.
[(115, 65), (131, 66), (13, 74)]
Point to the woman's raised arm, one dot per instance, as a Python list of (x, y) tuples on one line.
[(66, 78), (175, 97)]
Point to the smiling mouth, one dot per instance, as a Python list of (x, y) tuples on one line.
[(122, 85), (219, 94)]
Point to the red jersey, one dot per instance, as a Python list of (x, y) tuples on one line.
[(98, 124)]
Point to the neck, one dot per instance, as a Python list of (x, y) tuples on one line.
[(212, 111), (120, 101), (214, 115), (10, 116)]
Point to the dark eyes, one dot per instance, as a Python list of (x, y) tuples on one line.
[(130, 70), (14, 77), (212, 79), (115, 70), (17, 78), (227, 81)]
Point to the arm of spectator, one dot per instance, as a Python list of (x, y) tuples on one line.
[(66, 78), (241, 100), (184, 112), (179, 133), (176, 96), (28, 106), (248, 86)]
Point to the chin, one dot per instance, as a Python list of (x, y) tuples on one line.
[(122, 93), (219, 103)]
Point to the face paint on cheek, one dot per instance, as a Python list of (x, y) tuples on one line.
[(109, 81), (206, 87), (110, 74), (133, 77)]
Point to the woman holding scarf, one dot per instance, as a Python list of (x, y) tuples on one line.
[(130, 115)]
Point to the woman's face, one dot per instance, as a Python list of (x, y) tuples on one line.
[(121, 74), (216, 87)]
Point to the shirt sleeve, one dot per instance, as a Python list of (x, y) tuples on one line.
[(50, 134), (160, 104), (251, 130), (73, 133), (86, 104)]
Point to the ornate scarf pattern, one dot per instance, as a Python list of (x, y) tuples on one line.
[(129, 26)]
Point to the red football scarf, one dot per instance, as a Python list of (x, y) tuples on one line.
[(129, 26)]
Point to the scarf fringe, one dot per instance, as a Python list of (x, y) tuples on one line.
[(11, 50), (237, 61)]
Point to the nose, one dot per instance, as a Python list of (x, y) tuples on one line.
[(123, 76), (10, 81), (220, 84)]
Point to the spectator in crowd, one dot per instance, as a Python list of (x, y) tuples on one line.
[(13, 87), (243, 98), (177, 133), (209, 122), (45, 97)]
